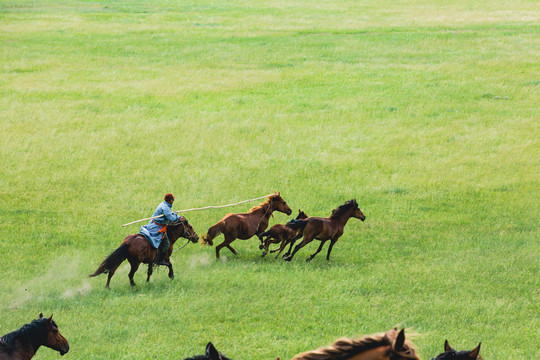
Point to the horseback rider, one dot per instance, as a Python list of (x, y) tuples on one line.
[(156, 230)]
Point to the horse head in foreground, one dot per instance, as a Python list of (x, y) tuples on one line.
[(390, 345), (210, 354), (137, 249), (245, 226), (451, 354), (23, 344)]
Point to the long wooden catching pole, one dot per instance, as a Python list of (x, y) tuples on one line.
[(202, 208)]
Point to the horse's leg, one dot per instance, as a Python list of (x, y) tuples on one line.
[(150, 271), (134, 267), (276, 240), (292, 242), (334, 240), (307, 240), (111, 273), (228, 239), (316, 252), (171, 271)]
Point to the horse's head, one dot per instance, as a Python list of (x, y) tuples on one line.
[(301, 215), (279, 204), (54, 339), (189, 233), (400, 349), (451, 354), (211, 354), (357, 212)]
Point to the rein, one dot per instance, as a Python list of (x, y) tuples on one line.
[(187, 242)]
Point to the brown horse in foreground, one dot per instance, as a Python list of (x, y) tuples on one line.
[(136, 249), (23, 344), (390, 345), (324, 229), (281, 234), (244, 226), (451, 354)]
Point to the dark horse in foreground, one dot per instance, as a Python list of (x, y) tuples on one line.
[(451, 354), (324, 229), (245, 226), (211, 354), (23, 344), (136, 249), (390, 345), (281, 234)]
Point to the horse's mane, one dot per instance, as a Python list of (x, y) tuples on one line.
[(343, 208), (344, 348), (266, 202), (28, 332)]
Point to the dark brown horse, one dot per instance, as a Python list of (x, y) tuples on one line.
[(390, 345), (245, 226), (23, 344), (211, 354), (281, 234), (324, 229), (451, 354), (136, 249)]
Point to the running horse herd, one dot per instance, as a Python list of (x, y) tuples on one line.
[(23, 344)]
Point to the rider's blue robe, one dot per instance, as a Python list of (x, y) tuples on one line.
[(151, 231)]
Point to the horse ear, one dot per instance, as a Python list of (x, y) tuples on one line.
[(400, 340), (474, 353), (447, 346), (49, 320), (211, 352), (40, 315)]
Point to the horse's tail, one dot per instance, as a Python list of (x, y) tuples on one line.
[(112, 261), (214, 231), (268, 233), (297, 224)]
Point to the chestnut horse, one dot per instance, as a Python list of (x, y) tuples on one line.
[(451, 354), (244, 226), (390, 345), (281, 234), (211, 354), (324, 229), (137, 249), (23, 344)]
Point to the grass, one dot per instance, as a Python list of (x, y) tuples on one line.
[(425, 112)]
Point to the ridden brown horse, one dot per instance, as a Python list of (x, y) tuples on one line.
[(136, 249), (244, 226), (281, 234), (324, 229), (23, 344), (451, 354), (390, 345), (211, 354)]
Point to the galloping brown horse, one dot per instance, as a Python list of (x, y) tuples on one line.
[(23, 344), (390, 345), (136, 249), (281, 234), (244, 226), (451, 354), (324, 229)]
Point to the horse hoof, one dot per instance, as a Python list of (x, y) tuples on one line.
[(261, 247), (287, 258), (171, 277)]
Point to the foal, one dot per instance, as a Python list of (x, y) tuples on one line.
[(281, 233)]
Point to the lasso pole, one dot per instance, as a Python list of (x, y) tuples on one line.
[(202, 208)]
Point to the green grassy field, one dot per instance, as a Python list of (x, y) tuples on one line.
[(426, 112)]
